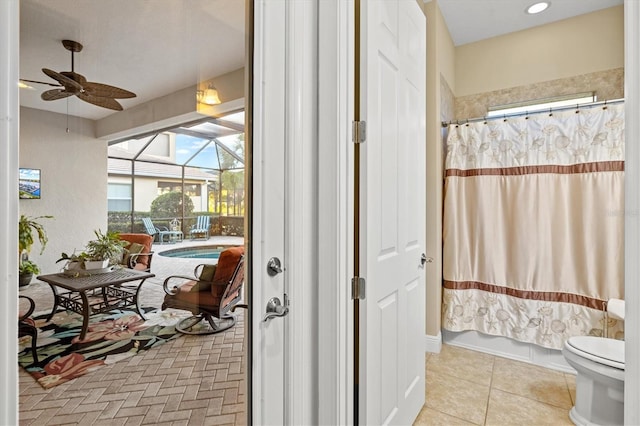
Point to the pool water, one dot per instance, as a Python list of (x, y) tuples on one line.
[(200, 252)]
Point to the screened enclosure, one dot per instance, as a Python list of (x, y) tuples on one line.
[(175, 175)]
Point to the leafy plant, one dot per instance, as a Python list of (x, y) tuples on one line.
[(169, 205), (28, 227), (28, 267), (106, 246)]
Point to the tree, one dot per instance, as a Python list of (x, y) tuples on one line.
[(169, 205)]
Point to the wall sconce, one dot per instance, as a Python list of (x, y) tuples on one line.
[(208, 96)]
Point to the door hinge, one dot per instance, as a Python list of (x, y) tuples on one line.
[(357, 288), (359, 131)]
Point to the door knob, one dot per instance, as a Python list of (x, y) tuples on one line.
[(274, 267), (424, 259), (274, 309)]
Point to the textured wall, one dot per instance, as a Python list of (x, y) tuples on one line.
[(74, 181), (606, 84)]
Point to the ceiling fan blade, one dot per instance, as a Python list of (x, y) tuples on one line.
[(78, 78), (106, 91), (69, 84), (54, 94), (39, 82), (100, 101)]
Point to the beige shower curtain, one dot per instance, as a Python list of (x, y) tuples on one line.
[(533, 225)]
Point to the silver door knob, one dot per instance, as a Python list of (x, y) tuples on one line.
[(424, 259), (274, 267), (274, 309)]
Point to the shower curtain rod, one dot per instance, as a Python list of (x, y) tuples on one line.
[(537, 111)]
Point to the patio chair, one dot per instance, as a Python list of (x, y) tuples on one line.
[(26, 326), (154, 230), (201, 228), (210, 295), (138, 253)]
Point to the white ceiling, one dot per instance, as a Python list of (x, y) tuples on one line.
[(154, 48), (474, 20), (151, 48)]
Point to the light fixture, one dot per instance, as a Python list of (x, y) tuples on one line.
[(23, 85), (538, 7), (209, 96)]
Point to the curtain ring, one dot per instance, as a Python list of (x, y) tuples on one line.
[(467, 122), (605, 104), (485, 120), (504, 118), (550, 113), (577, 108), (526, 115)]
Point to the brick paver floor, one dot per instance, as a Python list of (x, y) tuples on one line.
[(192, 380)]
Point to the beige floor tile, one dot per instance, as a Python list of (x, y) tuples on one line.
[(509, 409), (571, 383), (457, 397), (430, 417), (462, 363), (531, 381)]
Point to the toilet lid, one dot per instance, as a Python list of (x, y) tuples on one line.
[(601, 350)]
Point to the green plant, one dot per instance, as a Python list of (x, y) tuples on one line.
[(28, 227), (106, 246), (169, 205), (28, 267), (81, 257)]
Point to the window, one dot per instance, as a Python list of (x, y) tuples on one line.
[(119, 197), (542, 104)]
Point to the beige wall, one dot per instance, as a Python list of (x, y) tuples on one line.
[(74, 181), (440, 66), (576, 46)]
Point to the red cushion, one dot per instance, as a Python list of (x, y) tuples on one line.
[(144, 239), (227, 263)]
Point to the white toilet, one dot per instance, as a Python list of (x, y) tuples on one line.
[(599, 362)]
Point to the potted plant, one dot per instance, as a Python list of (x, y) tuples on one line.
[(29, 229), (105, 250)]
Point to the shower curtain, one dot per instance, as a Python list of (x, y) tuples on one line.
[(533, 225)]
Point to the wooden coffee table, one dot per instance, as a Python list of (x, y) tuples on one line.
[(91, 294)]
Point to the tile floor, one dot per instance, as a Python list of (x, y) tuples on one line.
[(472, 388)]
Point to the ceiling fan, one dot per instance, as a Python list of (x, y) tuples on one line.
[(71, 83)]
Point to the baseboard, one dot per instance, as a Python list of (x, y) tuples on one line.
[(508, 348), (433, 344)]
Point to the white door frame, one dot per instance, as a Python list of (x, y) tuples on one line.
[(9, 131), (632, 211)]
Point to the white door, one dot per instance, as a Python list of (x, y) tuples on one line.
[(268, 205), (393, 222)]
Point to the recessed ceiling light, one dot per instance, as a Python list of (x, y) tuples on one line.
[(538, 7)]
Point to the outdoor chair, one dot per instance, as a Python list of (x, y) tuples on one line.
[(26, 326), (201, 228), (210, 295), (154, 230), (138, 253)]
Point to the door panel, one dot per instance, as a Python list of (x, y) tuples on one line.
[(394, 217), (268, 226)]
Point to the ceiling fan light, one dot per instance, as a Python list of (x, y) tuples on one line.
[(538, 7), (209, 96), (23, 85)]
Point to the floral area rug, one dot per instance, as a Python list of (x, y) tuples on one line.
[(111, 337)]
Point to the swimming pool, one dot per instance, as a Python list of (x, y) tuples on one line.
[(197, 252)]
